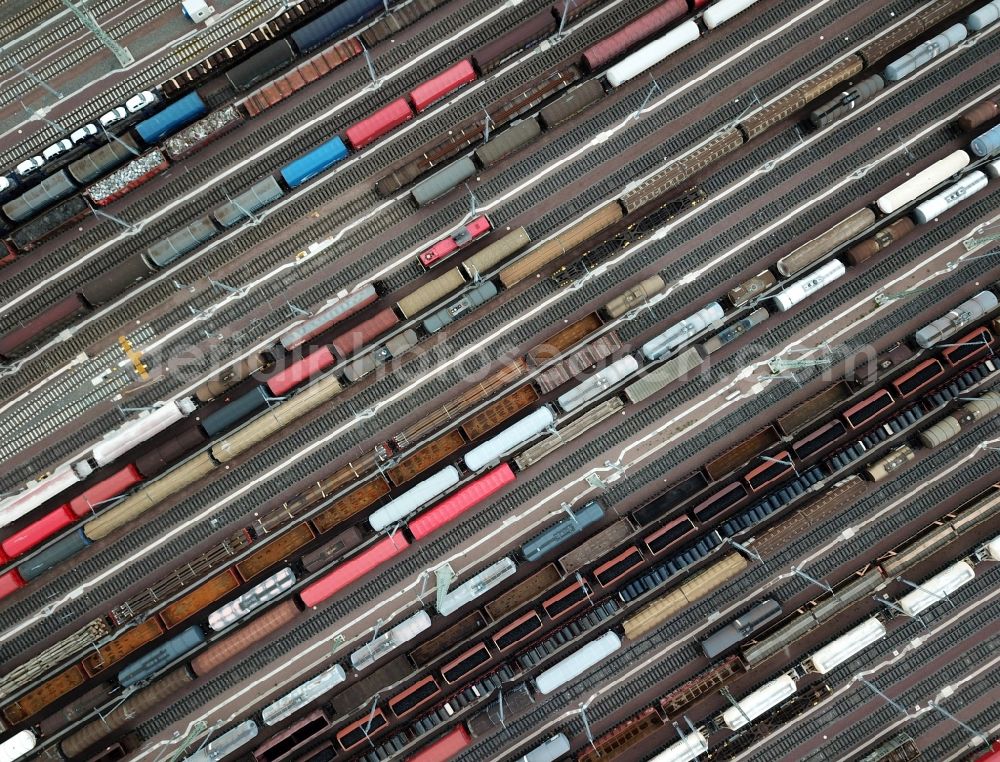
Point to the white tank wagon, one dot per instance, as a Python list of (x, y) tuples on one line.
[(577, 663), (549, 751), (510, 438), (925, 53), (824, 660), (653, 53), (936, 588), (993, 169), (252, 599), (923, 181), (303, 695), (801, 289), (688, 749), (413, 498), (955, 320), (598, 383), (226, 744), (985, 16), (719, 13), (402, 633), (17, 745), (37, 492), (968, 186), (482, 583), (760, 701), (148, 424), (993, 548), (680, 332)]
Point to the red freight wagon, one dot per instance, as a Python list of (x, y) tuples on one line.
[(290, 743), (351, 341), (301, 371), (817, 440), (38, 532), (455, 505), (565, 600), (462, 665), (445, 748), (610, 572), (776, 467), (383, 121), (602, 53), (993, 755), (517, 631), (10, 582), (448, 246), (416, 695), (868, 408), (116, 484), (918, 378), (720, 501), (353, 570), (673, 532), (444, 83), (971, 345), (359, 731), (29, 334)]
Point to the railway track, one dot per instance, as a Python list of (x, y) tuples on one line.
[(264, 132), (494, 748), (361, 175), (958, 737), (37, 14), (81, 49), (882, 713), (242, 507), (441, 218), (369, 429), (207, 39)]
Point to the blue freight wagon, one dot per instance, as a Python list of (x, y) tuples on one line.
[(562, 530), (148, 665), (178, 114), (314, 162), (54, 554), (333, 22)]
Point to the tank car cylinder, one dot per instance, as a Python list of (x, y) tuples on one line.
[(985, 16), (947, 325), (955, 194), (987, 144), (921, 55)]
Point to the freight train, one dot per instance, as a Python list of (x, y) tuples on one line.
[(774, 693), (607, 575), (565, 659), (297, 373), (179, 243)]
